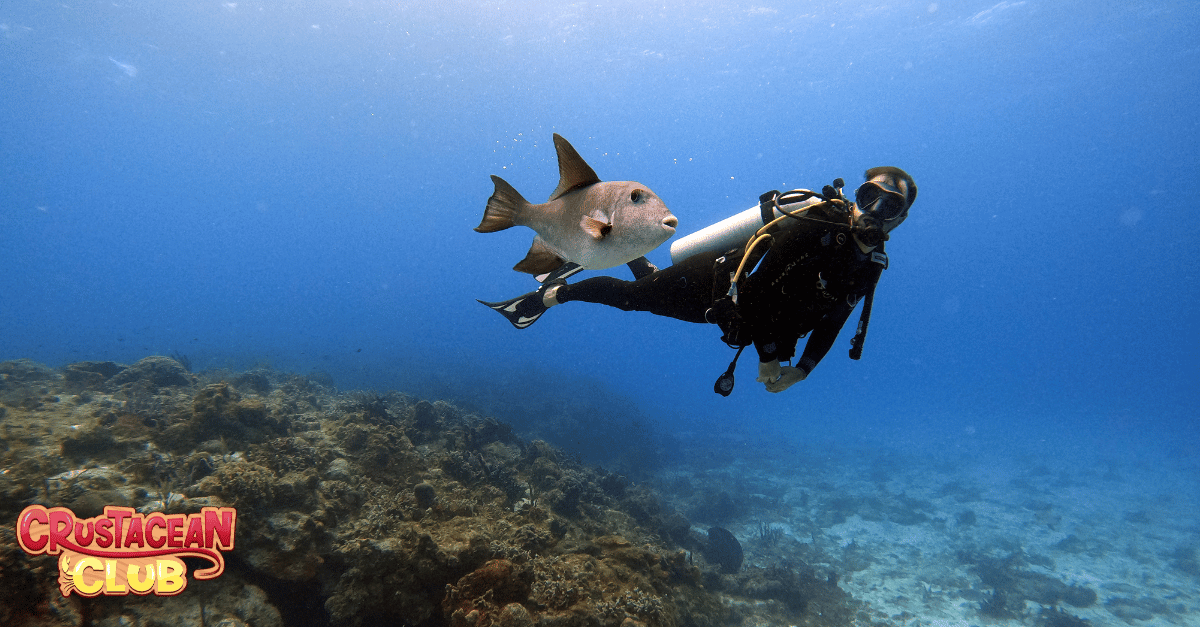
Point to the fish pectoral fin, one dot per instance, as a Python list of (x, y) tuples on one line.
[(539, 260), (598, 229)]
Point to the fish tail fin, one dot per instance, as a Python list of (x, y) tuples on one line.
[(503, 207)]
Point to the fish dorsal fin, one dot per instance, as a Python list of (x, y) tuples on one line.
[(573, 172), (595, 227)]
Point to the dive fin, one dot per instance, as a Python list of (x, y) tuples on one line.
[(564, 272), (560, 273), (641, 268), (525, 309), (503, 207), (521, 311)]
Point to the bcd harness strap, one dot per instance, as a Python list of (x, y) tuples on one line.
[(768, 203)]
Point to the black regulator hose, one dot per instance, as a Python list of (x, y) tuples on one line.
[(724, 384)]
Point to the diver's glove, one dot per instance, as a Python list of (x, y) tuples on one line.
[(768, 371), (788, 376)]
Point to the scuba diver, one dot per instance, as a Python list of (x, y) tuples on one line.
[(795, 266)]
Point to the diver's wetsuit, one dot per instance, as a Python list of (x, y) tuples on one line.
[(808, 281), (683, 291)]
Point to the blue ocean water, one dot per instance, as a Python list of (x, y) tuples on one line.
[(296, 184)]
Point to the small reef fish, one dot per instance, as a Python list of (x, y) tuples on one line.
[(588, 222)]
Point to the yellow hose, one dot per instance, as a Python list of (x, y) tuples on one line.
[(762, 235)]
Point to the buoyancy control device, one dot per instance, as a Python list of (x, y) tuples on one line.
[(749, 229)]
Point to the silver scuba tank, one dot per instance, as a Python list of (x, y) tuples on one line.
[(729, 233)]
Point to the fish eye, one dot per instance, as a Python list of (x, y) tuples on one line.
[(635, 195)]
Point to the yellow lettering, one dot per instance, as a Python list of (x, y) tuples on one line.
[(111, 585), (170, 576), (90, 563), (138, 585)]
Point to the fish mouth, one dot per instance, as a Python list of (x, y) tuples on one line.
[(670, 223)]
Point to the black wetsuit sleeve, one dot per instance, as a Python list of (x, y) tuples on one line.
[(781, 345), (776, 346), (807, 285), (823, 336), (682, 291)]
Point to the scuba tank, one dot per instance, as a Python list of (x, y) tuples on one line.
[(731, 232)]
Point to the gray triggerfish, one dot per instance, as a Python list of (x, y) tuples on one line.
[(588, 222)]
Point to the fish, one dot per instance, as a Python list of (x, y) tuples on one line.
[(588, 222)]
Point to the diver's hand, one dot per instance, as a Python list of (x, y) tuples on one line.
[(788, 376), (768, 371)]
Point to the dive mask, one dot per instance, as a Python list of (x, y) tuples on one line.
[(887, 194), (883, 203), (881, 200)]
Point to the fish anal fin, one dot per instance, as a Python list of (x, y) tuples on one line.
[(595, 227), (503, 209), (573, 172), (539, 260)]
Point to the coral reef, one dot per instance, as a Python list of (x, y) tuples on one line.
[(358, 509), (1012, 585), (724, 549)]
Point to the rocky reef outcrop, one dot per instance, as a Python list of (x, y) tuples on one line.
[(353, 509)]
